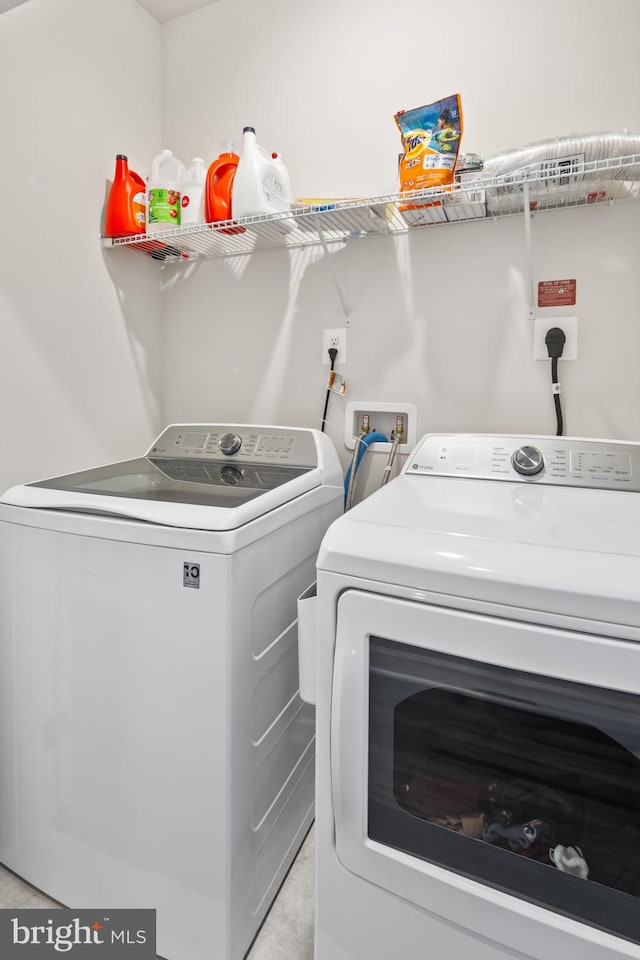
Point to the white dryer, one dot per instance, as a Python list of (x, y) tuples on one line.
[(478, 707), (154, 750)]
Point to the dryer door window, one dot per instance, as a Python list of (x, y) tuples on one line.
[(487, 770), (527, 783)]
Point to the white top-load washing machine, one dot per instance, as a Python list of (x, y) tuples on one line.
[(478, 707), (154, 751)]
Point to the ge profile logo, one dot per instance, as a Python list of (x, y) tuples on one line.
[(38, 934), (191, 575)]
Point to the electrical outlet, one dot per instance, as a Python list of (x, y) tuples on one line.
[(570, 327), (334, 338)]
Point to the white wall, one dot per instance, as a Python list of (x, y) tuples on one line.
[(438, 317), (79, 335), (91, 370)]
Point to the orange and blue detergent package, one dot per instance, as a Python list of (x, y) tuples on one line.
[(431, 138)]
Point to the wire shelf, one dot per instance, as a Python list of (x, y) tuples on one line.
[(337, 221)]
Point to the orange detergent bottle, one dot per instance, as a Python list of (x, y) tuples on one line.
[(220, 176), (126, 204)]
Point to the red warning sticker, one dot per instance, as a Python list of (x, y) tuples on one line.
[(556, 293)]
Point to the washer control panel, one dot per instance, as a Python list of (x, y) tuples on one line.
[(565, 461), (230, 442)]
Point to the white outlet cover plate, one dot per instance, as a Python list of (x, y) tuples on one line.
[(328, 338), (570, 327)]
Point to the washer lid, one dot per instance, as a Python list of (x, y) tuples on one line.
[(178, 493), (186, 480), (177, 481)]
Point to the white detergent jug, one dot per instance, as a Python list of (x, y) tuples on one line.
[(192, 187), (163, 193), (261, 183), (283, 173)]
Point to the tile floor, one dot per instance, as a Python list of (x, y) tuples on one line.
[(286, 934)]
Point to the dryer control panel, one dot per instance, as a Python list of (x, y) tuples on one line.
[(229, 442), (565, 461)]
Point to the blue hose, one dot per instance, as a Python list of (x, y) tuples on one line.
[(363, 444)]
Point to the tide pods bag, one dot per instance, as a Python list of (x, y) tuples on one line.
[(431, 138)]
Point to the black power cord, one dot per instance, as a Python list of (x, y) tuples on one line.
[(333, 353), (555, 340)]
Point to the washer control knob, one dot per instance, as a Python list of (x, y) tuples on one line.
[(528, 461), (229, 443)]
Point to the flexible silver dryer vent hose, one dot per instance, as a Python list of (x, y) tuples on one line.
[(589, 147)]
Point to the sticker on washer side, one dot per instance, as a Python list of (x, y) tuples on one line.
[(191, 575)]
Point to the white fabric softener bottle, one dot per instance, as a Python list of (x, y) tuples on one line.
[(261, 184)]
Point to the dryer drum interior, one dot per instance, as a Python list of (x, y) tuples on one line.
[(526, 783)]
